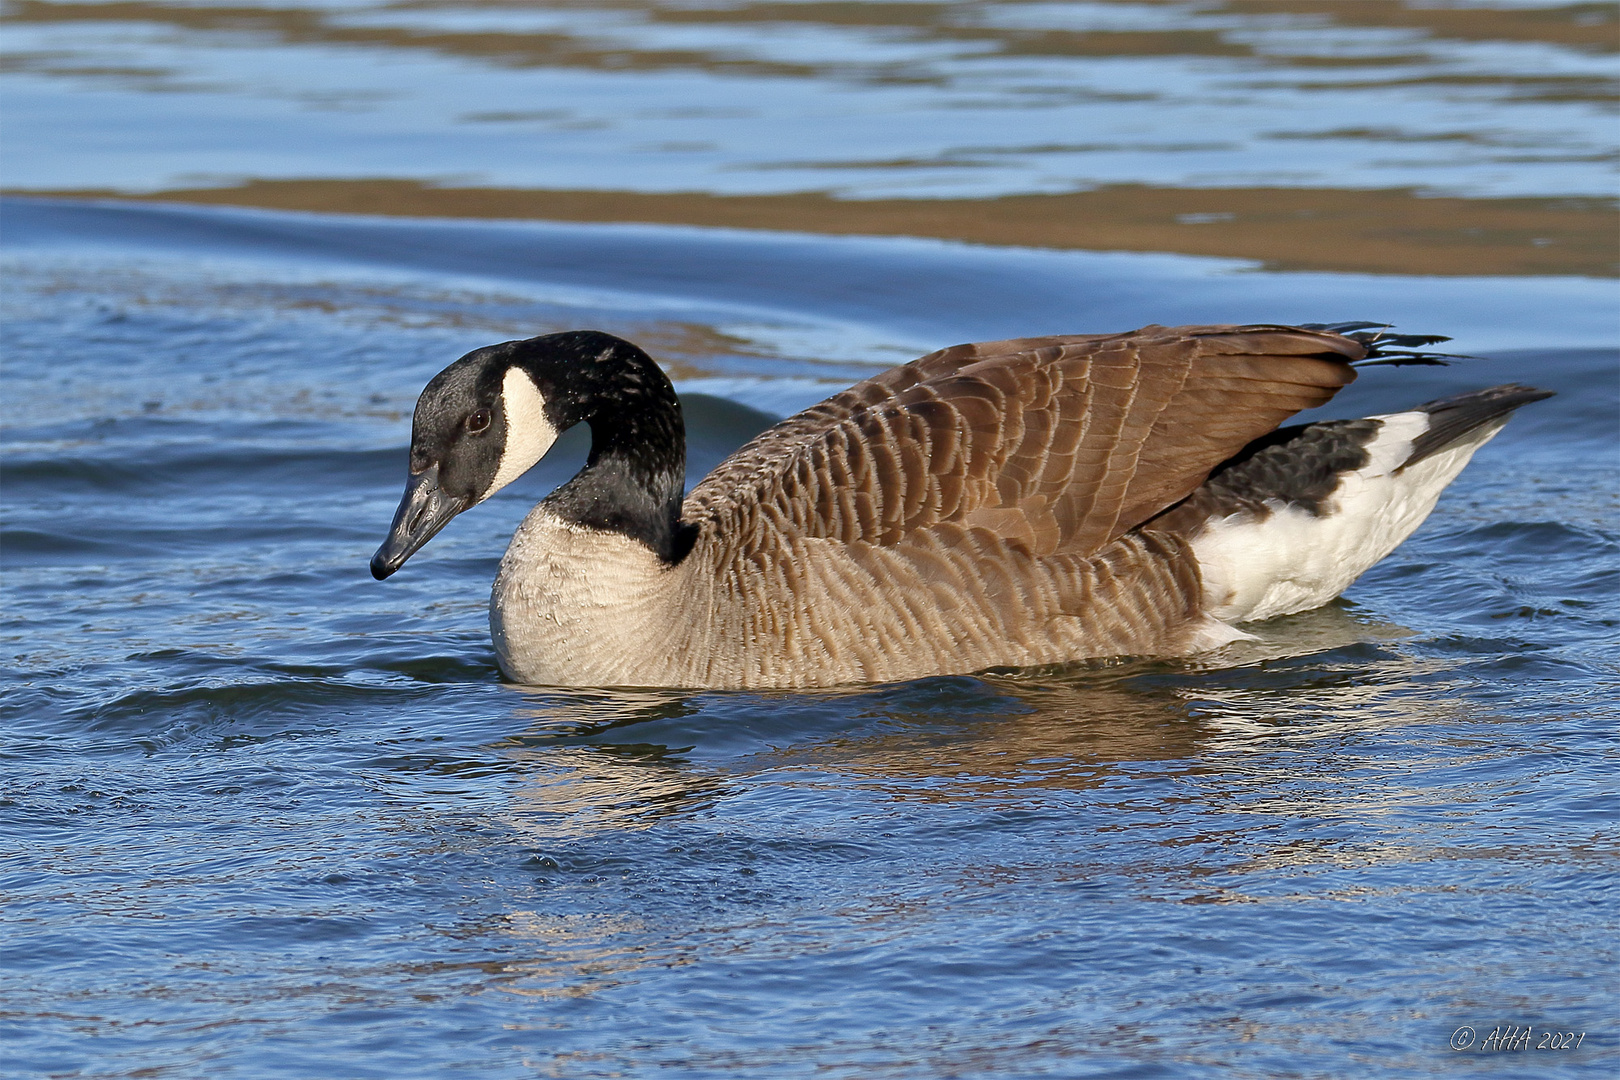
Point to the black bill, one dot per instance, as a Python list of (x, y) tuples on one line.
[(423, 511)]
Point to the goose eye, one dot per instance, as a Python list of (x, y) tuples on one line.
[(478, 421)]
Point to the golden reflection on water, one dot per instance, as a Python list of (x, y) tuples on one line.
[(1587, 26), (577, 956), (1366, 231)]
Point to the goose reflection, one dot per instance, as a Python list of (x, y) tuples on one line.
[(1132, 761), (592, 762), (615, 760), (610, 759)]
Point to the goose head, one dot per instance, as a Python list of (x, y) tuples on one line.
[(489, 417)]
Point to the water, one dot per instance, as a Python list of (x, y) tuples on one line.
[(266, 817), (926, 99)]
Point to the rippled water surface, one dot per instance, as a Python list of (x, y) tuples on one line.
[(898, 97), (266, 817)]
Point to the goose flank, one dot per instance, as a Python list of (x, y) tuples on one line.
[(1001, 504)]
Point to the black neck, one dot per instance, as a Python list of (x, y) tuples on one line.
[(635, 477)]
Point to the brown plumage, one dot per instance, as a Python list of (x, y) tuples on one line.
[(975, 508), (988, 505), (1063, 443)]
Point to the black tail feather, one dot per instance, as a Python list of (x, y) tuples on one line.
[(1345, 328), (1450, 418), (1392, 350), (1402, 358)]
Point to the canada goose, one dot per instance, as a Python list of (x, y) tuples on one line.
[(1004, 504)]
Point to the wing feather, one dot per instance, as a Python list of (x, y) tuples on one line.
[(1063, 444)]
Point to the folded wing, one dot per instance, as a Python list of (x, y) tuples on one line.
[(1059, 444)]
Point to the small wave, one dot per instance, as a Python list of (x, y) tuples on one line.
[(27, 542), (1542, 539), (214, 466), (239, 703), (773, 398)]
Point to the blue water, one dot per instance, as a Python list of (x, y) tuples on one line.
[(963, 98), (263, 816)]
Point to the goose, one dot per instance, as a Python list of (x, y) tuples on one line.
[(1004, 504)]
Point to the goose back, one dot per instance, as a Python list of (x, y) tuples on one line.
[(1061, 443), (977, 508)]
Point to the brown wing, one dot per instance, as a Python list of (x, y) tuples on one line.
[(1063, 443)]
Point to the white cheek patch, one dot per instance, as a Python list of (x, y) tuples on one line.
[(528, 433)]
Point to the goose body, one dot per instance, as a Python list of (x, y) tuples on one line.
[(1003, 504)]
